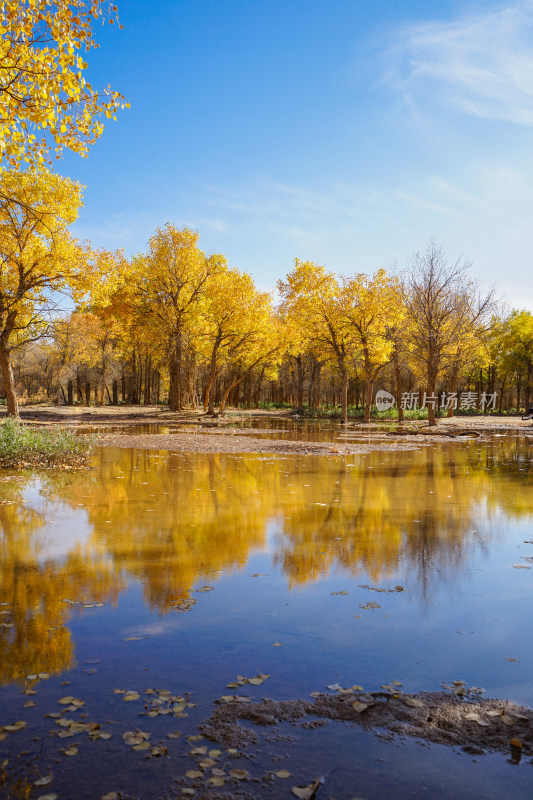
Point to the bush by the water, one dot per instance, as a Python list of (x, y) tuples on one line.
[(23, 445)]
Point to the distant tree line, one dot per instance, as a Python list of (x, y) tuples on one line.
[(175, 325)]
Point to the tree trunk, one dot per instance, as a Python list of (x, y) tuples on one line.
[(70, 393), (300, 373), (115, 393), (455, 381), (344, 397), (368, 383), (399, 389), (9, 381), (87, 394), (432, 385), (209, 400)]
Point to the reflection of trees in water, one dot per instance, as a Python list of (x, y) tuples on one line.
[(173, 522), (34, 636)]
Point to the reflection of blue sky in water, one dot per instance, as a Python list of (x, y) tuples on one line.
[(63, 531), (279, 540)]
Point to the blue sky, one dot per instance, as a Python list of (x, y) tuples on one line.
[(347, 132)]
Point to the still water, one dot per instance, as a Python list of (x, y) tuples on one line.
[(178, 572)]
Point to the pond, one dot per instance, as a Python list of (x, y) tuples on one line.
[(136, 591)]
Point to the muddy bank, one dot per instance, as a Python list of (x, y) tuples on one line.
[(477, 725), (233, 442)]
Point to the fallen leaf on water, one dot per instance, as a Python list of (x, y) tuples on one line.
[(29, 704), (259, 575), (305, 792), (71, 751), (194, 773), (205, 763), (43, 781), (283, 773), (277, 644), (16, 726), (188, 792), (334, 686), (218, 773), (49, 796), (204, 589), (215, 753), (344, 593), (410, 701), (44, 676), (134, 638), (110, 796), (516, 743), (511, 659), (216, 781), (198, 751), (141, 746), (367, 606), (159, 751), (359, 707), (507, 720), (131, 696), (238, 774), (174, 735), (521, 566)]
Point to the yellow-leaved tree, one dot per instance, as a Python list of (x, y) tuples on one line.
[(170, 285), (46, 104), (233, 318), (38, 258), (312, 298), (372, 305)]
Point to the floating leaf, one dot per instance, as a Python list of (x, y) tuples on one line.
[(141, 746), (110, 796), (215, 753), (343, 593), (238, 774), (16, 726), (43, 781), (218, 773), (511, 659), (205, 763), (283, 773), (194, 773), (71, 751), (411, 701), (159, 751), (199, 751), (131, 696), (334, 686), (217, 781), (304, 792), (277, 644), (359, 707), (66, 701), (49, 796), (516, 743)]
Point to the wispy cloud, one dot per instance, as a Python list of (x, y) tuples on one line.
[(479, 63)]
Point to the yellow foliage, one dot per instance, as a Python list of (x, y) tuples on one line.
[(43, 90)]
